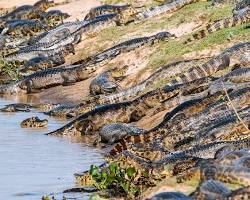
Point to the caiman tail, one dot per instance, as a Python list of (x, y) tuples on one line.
[(66, 129), (239, 19)]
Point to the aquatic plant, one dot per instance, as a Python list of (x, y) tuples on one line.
[(10, 69), (115, 177)]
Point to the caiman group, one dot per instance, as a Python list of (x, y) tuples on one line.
[(187, 120)]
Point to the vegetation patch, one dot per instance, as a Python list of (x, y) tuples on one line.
[(116, 178), (9, 69)]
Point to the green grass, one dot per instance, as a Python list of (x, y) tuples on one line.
[(175, 49), (200, 10), (9, 69), (165, 22)]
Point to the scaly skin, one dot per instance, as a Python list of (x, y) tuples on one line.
[(61, 111), (28, 11), (41, 63), (198, 152), (103, 84), (74, 29), (170, 195), (237, 76), (236, 20), (9, 44), (164, 9), (120, 112), (240, 5), (228, 157), (67, 41), (127, 46), (104, 9), (53, 16), (109, 53), (211, 189), (213, 126), (29, 53), (16, 107), (188, 107), (134, 91), (47, 78), (73, 111), (44, 4), (240, 194), (114, 132), (34, 122), (23, 27), (238, 53), (221, 124), (58, 33), (96, 25), (169, 131), (22, 107), (228, 174)]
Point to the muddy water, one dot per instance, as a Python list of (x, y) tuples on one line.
[(33, 164)]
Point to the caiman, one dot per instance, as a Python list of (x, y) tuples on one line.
[(226, 173), (211, 189), (127, 46), (25, 27), (58, 33), (47, 78), (206, 151), (28, 11), (53, 16), (183, 116), (29, 53), (104, 9), (64, 31), (112, 133), (239, 19), (240, 5), (161, 73), (41, 63), (237, 54), (103, 84), (120, 112), (165, 8), (20, 107), (34, 122)]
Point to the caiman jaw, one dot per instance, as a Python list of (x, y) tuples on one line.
[(11, 89)]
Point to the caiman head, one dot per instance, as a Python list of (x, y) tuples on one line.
[(69, 48), (58, 58), (125, 16), (55, 15), (109, 87), (34, 122), (164, 35), (12, 88), (43, 5)]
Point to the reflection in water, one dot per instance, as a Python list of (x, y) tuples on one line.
[(33, 164)]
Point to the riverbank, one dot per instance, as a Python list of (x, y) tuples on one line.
[(150, 108)]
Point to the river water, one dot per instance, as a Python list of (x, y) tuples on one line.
[(33, 164)]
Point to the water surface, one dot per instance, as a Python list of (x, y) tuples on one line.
[(33, 164)]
